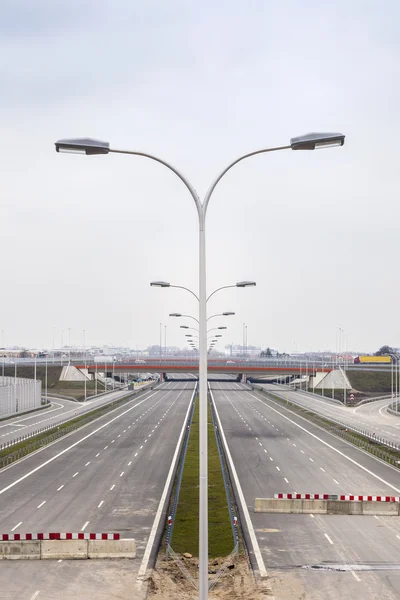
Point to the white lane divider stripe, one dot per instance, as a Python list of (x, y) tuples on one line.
[(35, 595), (18, 524), (46, 462), (41, 504), (354, 462), (153, 532), (328, 538), (102, 502), (85, 525), (256, 548), (112, 487)]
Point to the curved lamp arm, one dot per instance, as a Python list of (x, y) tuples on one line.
[(224, 287), (181, 287), (232, 164)]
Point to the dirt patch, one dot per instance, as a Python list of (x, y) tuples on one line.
[(167, 582), (287, 586)]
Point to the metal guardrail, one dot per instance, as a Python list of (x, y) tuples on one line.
[(231, 504), (171, 517), (346, 426), (18, 440)]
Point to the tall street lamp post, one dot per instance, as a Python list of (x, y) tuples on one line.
[(90, 146)]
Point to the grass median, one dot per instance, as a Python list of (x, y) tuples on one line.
[(186, 527), (382, 451), (26, 446)]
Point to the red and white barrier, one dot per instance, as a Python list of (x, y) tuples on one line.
[(371, 498), (303, 496), (17, 537), (337, 497)]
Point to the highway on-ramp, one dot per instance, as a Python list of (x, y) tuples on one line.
[(59, 411), (371, 417), (106, 477), (319, 556)]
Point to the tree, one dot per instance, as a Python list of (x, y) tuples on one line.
[(266, 352), (384, 350)]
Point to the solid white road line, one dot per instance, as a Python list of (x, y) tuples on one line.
[(46, 462), (354, 462), (14, 528), (328, 538), (249, 524), (150, 541)]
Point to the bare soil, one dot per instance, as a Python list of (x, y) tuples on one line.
[(167, 582)]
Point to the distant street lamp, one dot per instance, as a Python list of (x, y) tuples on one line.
[(305, 142)]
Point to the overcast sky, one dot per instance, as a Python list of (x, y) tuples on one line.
[(200, 83)]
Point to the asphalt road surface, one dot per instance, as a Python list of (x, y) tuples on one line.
[(372, 417), (60, 411), (319, 556), (106, 477)]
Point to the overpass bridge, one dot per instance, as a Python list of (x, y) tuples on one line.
[(239, 368)]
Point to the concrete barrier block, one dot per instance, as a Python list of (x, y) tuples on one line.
[(316, 507), (389, 509), (26, 550), (344, 507), (112, 548), (272, 505), (64, 549), (275, 505)]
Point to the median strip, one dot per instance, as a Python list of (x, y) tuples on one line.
[(21, 449)]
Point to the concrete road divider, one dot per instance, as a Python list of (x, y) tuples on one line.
[(61, 549), (326, 507), (20, 550), (272, 505), (112, 548), (67, 549), (389, 509)]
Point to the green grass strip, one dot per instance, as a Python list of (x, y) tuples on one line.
[(386, 453), (186, 529), (12, 453)]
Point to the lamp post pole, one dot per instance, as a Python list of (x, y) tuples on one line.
[(305, 142)]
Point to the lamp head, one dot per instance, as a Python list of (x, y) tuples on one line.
[(160, 284), (311, 141), (83, 146), (243, 284)]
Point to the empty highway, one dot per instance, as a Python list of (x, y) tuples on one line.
[(106, 477), (371, 417), (310, 556), (60, 411)]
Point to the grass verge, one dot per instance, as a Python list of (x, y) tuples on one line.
[(386, 453), (186, 528), (12, 453)]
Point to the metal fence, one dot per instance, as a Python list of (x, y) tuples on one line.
[(18, 395)]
